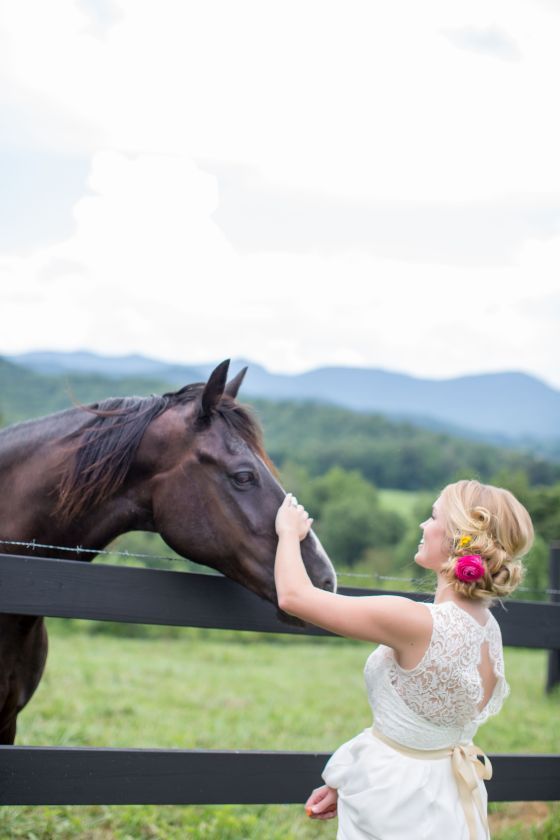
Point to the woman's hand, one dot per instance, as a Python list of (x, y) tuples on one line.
[(321, 805), (292, 518)]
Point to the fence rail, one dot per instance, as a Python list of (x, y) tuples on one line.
[(72, 589), (94, 776), (60, 775)]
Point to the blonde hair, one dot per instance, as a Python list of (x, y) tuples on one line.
[(489, 521)]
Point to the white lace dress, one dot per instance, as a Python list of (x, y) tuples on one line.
[(385, 795)]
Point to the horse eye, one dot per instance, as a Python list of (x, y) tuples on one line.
[(244, 477)]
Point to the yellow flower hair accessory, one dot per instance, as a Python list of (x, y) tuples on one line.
[(465, 541)]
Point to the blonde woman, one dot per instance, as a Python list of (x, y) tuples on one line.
[(436, 676)]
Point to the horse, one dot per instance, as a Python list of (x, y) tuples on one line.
[(189, 465)]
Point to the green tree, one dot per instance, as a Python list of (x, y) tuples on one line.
[(296, 479), (350, 517), (544, 506), (408, 546), (536, 572)]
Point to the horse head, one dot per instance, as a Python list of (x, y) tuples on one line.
[(214, 492)]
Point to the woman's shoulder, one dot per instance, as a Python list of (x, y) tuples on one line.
[(416, 646)]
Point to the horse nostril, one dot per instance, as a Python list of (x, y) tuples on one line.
[(328, 584)]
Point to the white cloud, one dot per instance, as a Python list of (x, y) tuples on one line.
[(256, 217), (489, 41), (148, 270), (357, 101)]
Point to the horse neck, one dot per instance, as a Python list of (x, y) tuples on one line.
[(29, 453), (23, 439), (128, 510)]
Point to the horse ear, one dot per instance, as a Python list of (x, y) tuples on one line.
[(214, 389), (233, 387)]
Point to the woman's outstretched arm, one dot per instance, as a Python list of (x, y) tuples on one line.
[(391, 620)]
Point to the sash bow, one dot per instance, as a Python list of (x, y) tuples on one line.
[(469, 764)]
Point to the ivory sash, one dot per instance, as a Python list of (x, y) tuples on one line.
[(469, 764)]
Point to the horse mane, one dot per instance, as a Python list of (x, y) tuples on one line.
[(102, 452)]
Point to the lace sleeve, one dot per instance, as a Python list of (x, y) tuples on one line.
[(502, 689)]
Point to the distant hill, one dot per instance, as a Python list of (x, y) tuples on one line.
[(504, 407), (25, 394), (115, 367)]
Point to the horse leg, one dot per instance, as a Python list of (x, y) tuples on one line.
[(8, 726), (23, 660), (35, 649)]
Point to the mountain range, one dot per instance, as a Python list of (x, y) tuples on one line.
[(507, 407)]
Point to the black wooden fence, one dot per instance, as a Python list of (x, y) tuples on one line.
[(74, 776)]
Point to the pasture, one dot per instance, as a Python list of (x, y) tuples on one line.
[(403, 501), (203, 689)]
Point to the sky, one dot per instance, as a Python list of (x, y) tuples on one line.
[(300, 183)]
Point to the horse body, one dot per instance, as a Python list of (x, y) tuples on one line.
[(188, 465)]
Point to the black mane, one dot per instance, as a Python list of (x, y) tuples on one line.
[(101, 453)]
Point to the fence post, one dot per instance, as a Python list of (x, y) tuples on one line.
[(553, 677)]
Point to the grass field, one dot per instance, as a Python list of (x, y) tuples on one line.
[(401, 501), (221, 690)]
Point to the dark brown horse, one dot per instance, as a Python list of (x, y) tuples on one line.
[(189, 465)]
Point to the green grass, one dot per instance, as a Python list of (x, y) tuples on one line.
[(219, 690), (401, 501)]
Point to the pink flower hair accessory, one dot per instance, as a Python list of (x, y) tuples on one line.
[(469, 568)]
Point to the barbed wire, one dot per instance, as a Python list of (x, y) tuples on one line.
[(78, 549), (133, 554)]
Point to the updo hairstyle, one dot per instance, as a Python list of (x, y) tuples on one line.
[(489, 521)]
